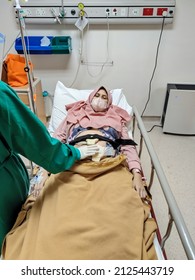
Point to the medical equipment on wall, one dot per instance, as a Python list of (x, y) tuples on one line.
[(118, 12), (45, 45)]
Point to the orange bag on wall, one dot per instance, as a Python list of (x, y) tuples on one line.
[(16, 75)]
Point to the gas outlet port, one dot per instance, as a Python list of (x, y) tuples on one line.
[(73, 12), (107, 11)]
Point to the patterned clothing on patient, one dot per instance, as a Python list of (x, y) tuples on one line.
[(107, 132)]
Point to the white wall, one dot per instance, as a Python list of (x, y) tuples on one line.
[(132, 49)]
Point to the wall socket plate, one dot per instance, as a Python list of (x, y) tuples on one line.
[(40, 12)]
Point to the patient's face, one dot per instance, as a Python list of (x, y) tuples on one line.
[(101, 94), (100, 101)]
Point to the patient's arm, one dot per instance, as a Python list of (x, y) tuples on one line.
[(134, 164), (130, 151)]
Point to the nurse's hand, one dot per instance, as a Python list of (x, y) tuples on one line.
[(88, 150)]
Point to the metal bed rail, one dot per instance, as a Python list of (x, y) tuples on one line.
[(174, 212)]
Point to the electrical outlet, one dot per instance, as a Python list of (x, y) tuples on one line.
[(27, 12), (40, 12), (135, 12)]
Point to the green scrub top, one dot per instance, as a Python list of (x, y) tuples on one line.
[(21, 132)]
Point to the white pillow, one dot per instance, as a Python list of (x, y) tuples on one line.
[(64, 96)]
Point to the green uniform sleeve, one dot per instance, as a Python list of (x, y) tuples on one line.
[(27, 135)]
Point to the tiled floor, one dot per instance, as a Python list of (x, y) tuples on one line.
[(176, 155)]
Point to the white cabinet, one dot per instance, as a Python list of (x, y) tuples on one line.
[(179, 110)]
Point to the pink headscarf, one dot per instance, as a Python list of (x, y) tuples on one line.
[(82, 113)]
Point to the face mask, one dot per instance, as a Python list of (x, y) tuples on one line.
[(99, 104)]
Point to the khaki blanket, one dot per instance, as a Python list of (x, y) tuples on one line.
[(88, 213)]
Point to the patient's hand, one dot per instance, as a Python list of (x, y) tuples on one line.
[(139, 186), (41, 182)]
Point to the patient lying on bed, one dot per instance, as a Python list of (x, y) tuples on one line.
[(97, 116), (98, 209)]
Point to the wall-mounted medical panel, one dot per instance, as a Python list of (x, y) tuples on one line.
[(114, 12)]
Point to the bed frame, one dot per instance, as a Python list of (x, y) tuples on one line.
[(174, 213)]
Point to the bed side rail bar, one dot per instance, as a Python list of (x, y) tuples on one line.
[(184, 235)]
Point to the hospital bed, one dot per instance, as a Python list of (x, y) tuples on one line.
[(64, 95)]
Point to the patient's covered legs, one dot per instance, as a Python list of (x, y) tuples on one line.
[(90, 212)]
